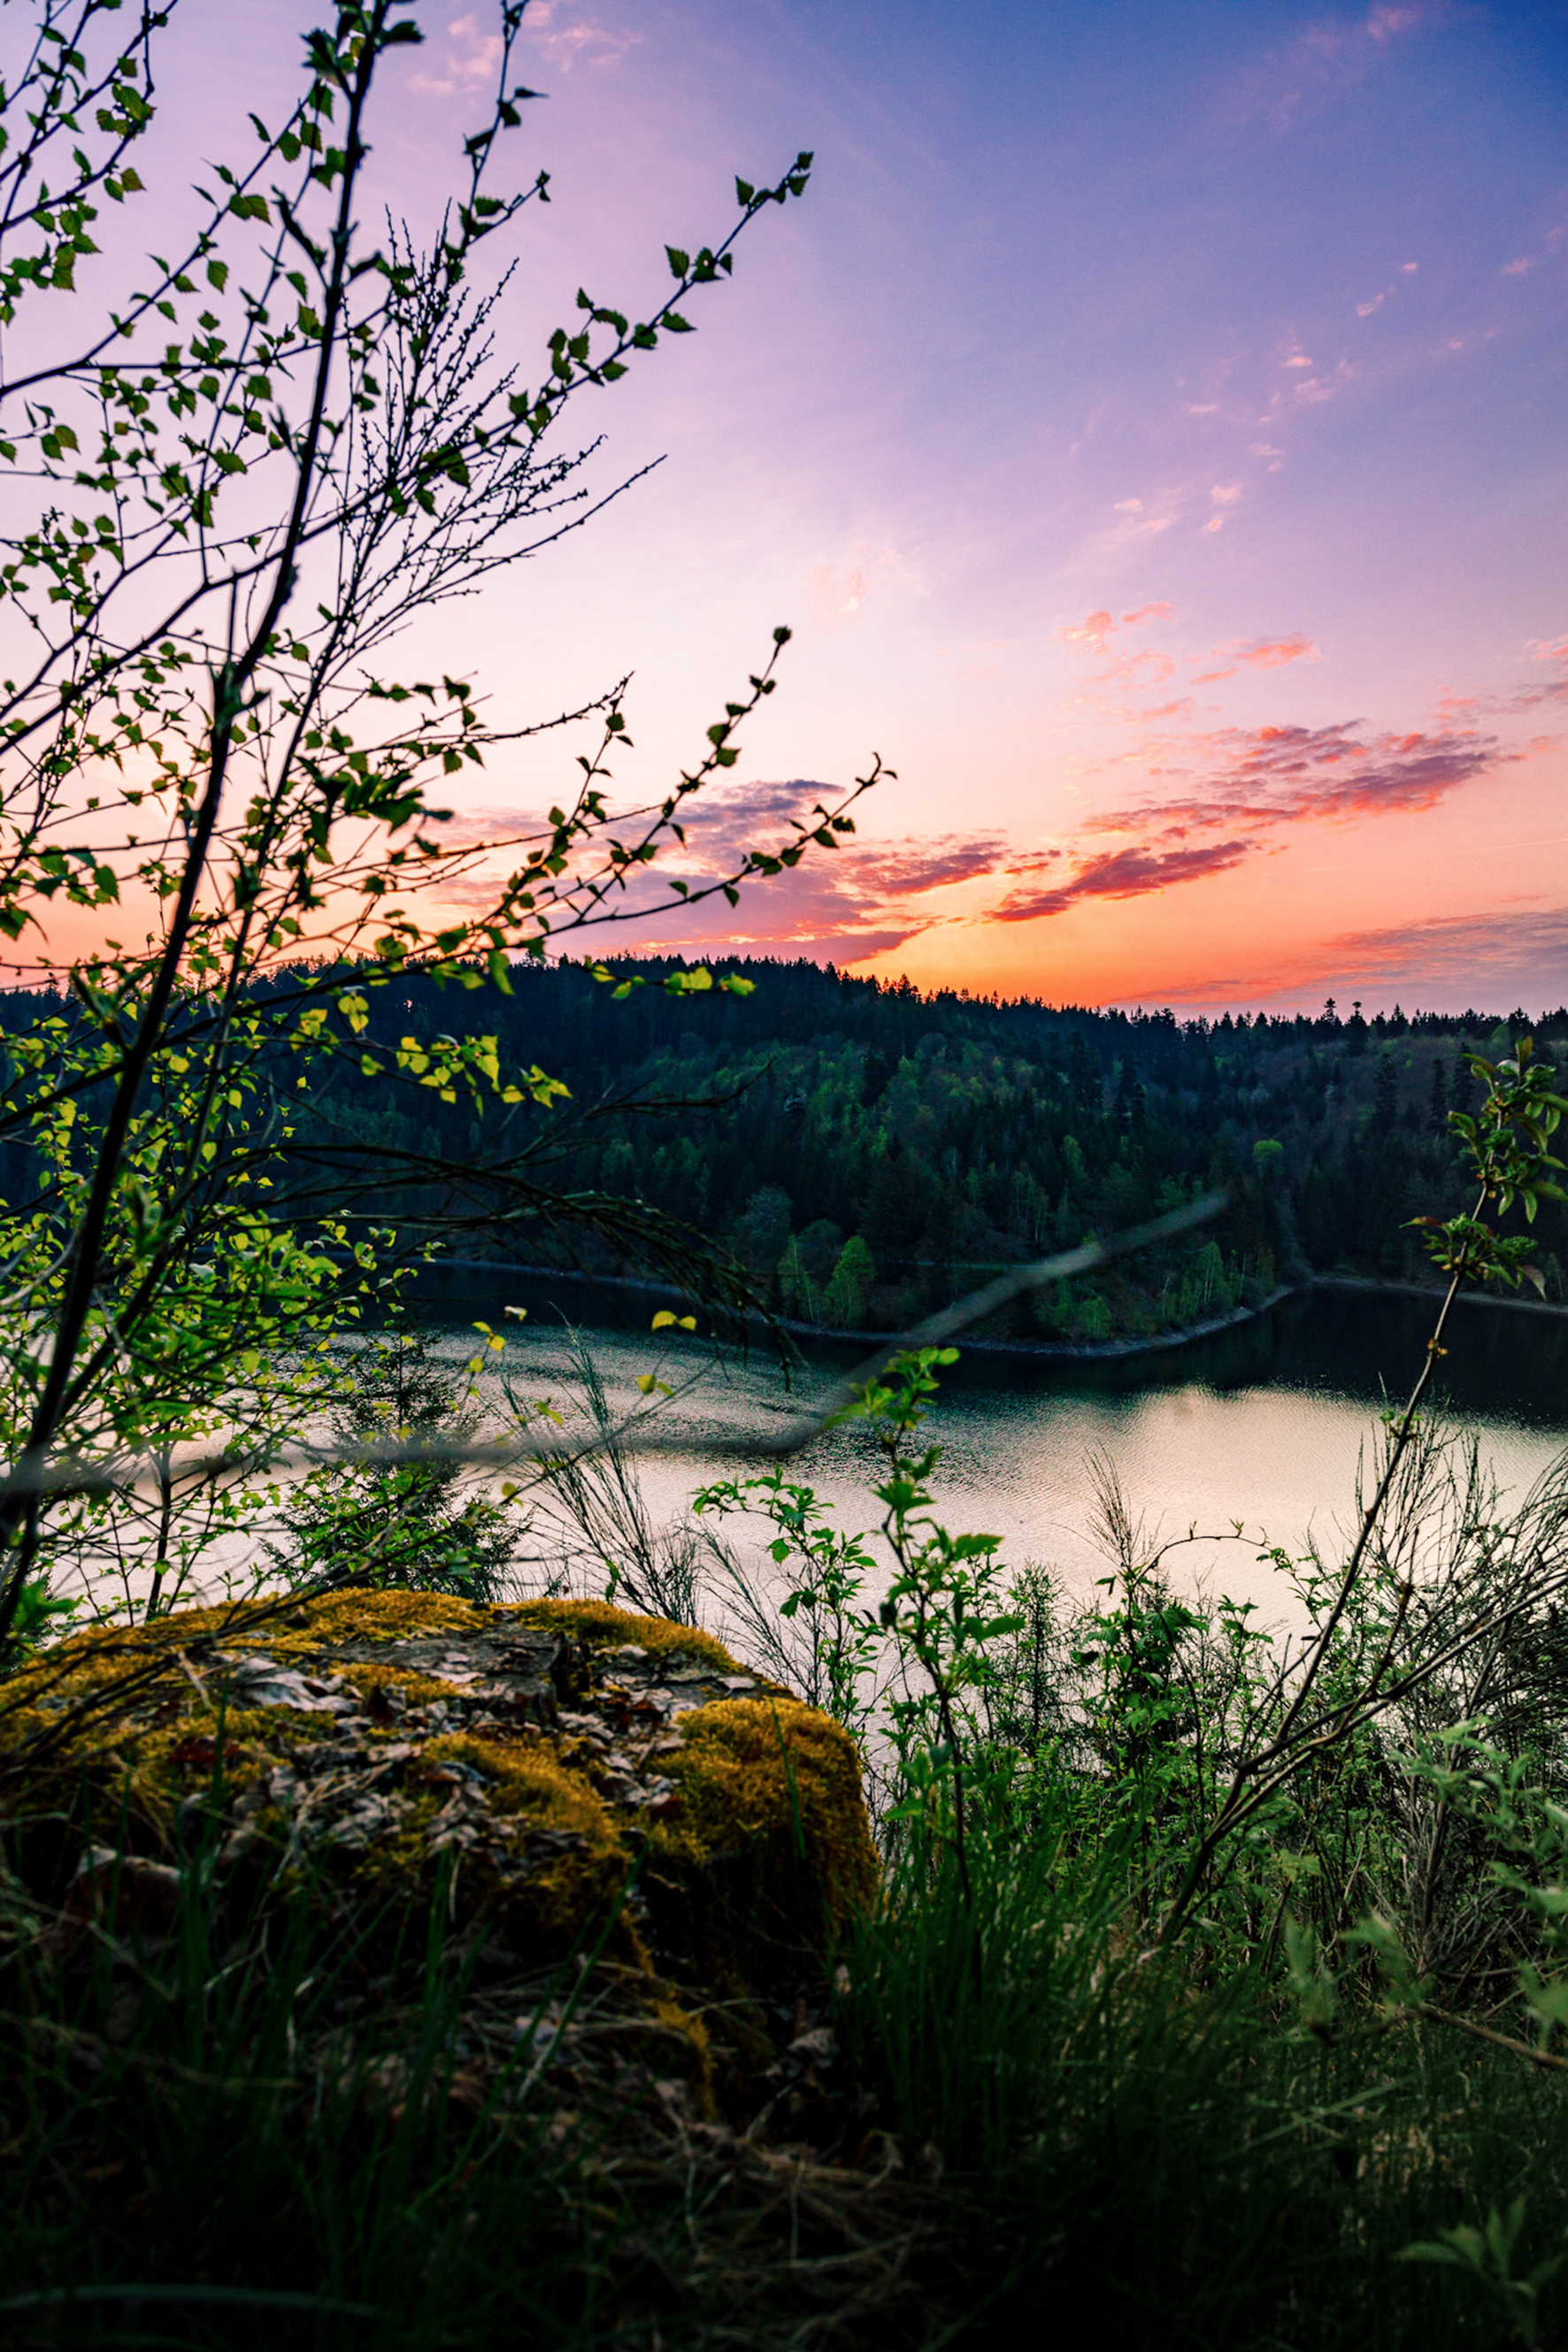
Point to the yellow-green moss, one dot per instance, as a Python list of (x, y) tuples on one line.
[(302, 1631), (767, 1847), (675, 2019), (771, 1770), (527, 1788), (598, 1623), (352, 1616)]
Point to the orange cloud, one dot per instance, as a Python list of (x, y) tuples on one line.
[(1121, 874), (1261, 653), (1095, 629), (1262, 780)]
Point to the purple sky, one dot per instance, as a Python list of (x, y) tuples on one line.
[(1150, 421)]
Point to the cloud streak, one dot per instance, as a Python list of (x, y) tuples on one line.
[(1122, 874), (1261, 781), (1518, 955), (1516, 948), (861, 899), (1285, 775), (1318, 65), (1261, 653)]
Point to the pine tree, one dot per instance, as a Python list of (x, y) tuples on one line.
[(1437, 1115)]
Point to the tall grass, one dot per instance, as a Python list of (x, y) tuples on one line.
[(240, 2129), (1162, 2160), (1321, 2104)]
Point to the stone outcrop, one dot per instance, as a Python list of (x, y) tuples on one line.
[(560, 1776)]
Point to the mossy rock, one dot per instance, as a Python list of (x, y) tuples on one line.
[(566, 1774)]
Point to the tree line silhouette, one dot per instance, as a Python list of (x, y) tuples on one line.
[(869, 1150)]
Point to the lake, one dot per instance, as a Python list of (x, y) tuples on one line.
[(1263, 1422)]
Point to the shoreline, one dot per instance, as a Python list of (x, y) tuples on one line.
[(1047, 1350), (1042, 1350), (1431, 1290)]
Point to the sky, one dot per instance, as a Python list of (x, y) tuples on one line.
[(1150, 422)]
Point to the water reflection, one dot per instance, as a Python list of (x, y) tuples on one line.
[(1263, 1423)]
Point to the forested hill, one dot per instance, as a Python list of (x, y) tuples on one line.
[(884, 1149), (872, 1150)]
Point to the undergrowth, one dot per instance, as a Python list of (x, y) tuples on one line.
[(1214, 1993)]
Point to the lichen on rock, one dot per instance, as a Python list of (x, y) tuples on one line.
[(569, 1776)]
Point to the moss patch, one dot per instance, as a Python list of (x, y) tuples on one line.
[(774, 1770), (597, 1623), (547, 1766)]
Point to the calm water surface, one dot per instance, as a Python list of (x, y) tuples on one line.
[(1262, 1424)]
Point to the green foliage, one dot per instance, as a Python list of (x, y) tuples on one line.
[(1505, 1147), (252, 468), (958, 1137), (827, 1574), (1486, 2257), (843, 1302), (417, 1520)]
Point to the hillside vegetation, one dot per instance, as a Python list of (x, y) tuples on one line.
[(870, 1152)]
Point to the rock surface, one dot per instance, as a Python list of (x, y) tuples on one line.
[(558, 1775), (551, 1877)]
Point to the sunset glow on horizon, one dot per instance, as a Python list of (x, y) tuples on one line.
[(1150, 424)]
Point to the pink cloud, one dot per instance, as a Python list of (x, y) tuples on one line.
[(1261, 653), (1095, 629), (1316, 66), (1553, 689), (1261, 780), (1094, 634), (1280, 775), (1384, 23), (471, 61), (733, 818), (1122, 874), (836, 905), (1273, 653), (839, 591), (568, 39)]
